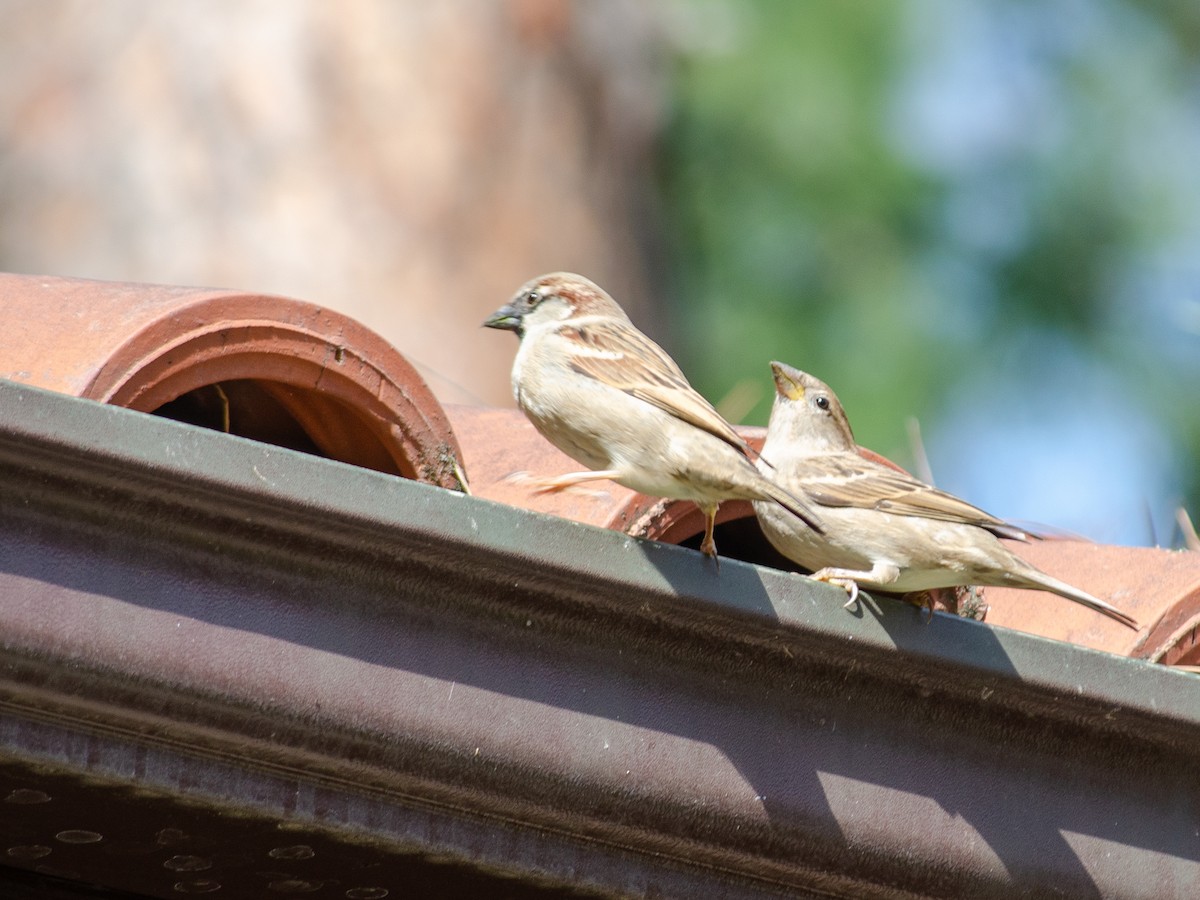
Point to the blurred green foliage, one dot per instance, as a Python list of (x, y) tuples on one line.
[(895, 196), (796, 223)]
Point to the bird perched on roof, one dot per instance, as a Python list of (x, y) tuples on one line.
[(610, 398), (884, 529)]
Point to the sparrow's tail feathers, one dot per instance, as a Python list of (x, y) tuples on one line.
[(1038, 579), (793, 504)]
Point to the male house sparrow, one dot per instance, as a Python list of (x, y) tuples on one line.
[(884, 529), (609, 397)]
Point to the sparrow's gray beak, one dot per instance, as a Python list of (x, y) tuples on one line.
[(505, 318), (789, 382)]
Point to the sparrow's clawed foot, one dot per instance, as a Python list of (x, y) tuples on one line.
[(840, 578)]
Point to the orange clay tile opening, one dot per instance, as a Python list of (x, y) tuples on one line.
[(271, 368)]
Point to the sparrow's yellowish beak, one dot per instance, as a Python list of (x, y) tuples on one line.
[(789, 382)]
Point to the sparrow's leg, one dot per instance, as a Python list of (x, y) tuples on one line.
[(555, 483), (848, 579), (708, 546), (925, 600)]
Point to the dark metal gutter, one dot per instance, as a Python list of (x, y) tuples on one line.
[(227, 664)]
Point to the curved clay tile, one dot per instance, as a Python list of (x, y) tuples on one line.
[(271, 368)]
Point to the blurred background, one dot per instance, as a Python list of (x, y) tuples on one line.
[(978, 220)]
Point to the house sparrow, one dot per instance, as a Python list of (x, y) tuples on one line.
[(612, 399), (885, 529)]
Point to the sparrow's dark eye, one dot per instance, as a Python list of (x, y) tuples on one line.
[(822, 402), (533, 298)]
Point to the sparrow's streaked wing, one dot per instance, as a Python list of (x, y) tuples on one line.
[(627, 360), (849, 481)]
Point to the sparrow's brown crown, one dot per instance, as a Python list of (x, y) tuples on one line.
[(585, 297)]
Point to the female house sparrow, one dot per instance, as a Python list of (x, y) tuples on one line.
[(609, 397), (885, 529)]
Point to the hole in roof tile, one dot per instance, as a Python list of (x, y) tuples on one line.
[(741, 538), (28, 851), (187, 864), (297, 851), (280, 370), (27, 796), (79, 836), (285, 416), (198, 886), (241, 407)]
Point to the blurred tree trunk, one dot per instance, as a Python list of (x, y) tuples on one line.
[(410, 164)]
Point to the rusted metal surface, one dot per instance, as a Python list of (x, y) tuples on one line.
[(260, 649), (107, 831), (289, 372)]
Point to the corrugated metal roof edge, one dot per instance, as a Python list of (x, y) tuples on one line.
[(627, 718)]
